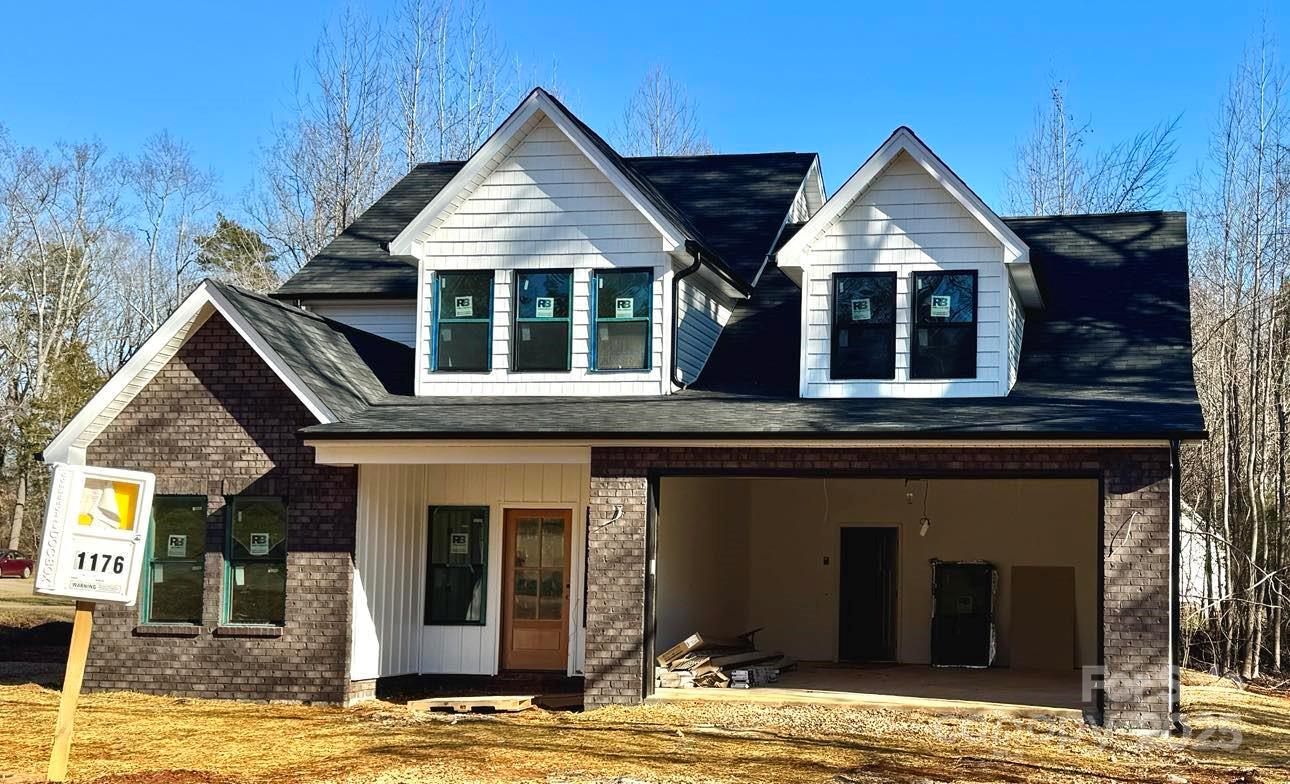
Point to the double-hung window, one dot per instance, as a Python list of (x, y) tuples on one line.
[(176, 560), (457, 565), (621, 304), (944, 329), (542, 335), (864, 326), (256, 557), (463, 321)]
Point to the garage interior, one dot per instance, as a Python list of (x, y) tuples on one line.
[(837, 573)]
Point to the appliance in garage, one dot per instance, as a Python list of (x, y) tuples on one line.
[(963, 613)]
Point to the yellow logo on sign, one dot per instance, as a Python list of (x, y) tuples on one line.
[(109, 504)]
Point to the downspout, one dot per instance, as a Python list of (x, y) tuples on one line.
[(693, 250), (1175, 602)]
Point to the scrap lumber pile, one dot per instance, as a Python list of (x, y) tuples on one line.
[(707, 661)]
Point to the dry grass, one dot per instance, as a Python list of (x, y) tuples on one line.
[(135, 739)]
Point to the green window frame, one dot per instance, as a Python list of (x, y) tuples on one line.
[(173, 585), (943, 339), (621, 301), (255, 562), (463, 322), (542, 333), (456, 585)]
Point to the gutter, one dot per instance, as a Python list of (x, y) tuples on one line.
[(693, 249), (1175, 602)]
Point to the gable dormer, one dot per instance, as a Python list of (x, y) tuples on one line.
[(546, 267), (911, 285)]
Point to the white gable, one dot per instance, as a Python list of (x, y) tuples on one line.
[(796, 252), (544, 203), (904, 212), (537, 108)]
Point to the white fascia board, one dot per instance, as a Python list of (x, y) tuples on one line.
[(329, 452), (414, 451), (196, 307), (795, 252), (469, 177)]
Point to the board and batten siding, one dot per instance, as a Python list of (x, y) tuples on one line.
[(700, 318), (905, 222), (389, 634), (394, 319), (543, 205)]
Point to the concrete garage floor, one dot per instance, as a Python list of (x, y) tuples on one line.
[(996, 690)]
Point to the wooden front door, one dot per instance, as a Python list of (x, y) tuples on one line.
[(535, 600)]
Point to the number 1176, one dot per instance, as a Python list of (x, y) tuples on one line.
[(100, 562)]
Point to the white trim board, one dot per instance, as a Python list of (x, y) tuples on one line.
[(69, 445), (538, 104), (1016, 254), (351, 451)]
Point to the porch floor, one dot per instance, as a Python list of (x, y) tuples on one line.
[(996, 690)]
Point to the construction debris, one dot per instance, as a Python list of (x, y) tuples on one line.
[(503, 704), (708, 661)]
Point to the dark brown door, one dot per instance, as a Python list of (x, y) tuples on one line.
[(535, 601), (867, 595)]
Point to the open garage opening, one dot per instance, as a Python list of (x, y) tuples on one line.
[(869, 582)]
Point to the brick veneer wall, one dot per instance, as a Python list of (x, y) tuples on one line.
[(1136, 540), (217, 422)]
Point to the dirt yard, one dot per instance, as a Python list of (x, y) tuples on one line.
[(135, 739), (121, 738)]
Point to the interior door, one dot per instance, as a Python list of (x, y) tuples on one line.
[(535, 601), (867, 595)]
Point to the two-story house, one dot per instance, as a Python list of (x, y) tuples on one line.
[(554, 409)]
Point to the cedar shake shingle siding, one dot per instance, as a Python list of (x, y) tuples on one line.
[(217, 422), (1135, 565)]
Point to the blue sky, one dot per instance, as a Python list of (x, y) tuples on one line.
[(830, 77)]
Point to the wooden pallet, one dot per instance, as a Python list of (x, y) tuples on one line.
[(506, 704)]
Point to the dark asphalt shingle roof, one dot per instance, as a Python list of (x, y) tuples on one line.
[(732, 204), (346, 368), (1110, 356), (357, 264)]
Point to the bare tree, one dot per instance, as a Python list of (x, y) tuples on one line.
[(418, 41), (661, 119), (61, 212), (1056, 173), (1240, 252), (329, 162), (171, 203)]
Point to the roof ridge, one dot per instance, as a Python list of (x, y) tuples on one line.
[(1123, 213), (267, 300), (703, 155)]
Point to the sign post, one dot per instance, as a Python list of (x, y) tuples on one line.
[(92, 550)]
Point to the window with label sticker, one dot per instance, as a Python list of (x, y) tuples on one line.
[(172, 587), (463, 318), (621, 329), (864, 326), (945, 325), (542, 334), (256, 561), (457, 565)]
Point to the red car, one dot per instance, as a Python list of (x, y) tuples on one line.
[(12, 564)]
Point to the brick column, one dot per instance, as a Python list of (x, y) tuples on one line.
[(615, 589), (1135, 571)]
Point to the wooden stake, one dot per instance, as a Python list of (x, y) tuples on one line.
[(76, 655)]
